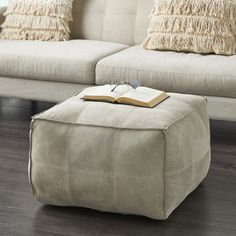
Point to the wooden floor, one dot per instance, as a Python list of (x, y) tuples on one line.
[(209, 210)]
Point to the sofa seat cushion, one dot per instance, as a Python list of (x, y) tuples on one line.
[(211, 75), (67, 61)]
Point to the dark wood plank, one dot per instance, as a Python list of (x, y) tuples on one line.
[(209, 210)]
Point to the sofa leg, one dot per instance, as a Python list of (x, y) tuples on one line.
[(33, 107)]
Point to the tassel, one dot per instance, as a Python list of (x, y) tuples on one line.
[(36, 22), (56, 8), (192, 25), (27, 34), (215, 8), (190, 43)]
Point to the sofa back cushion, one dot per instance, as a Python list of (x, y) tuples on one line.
[(121, 21)]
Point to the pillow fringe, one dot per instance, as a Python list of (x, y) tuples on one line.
[(201, 26), (27, 34), (215, 8), (190, 43), (192, 24), (45, 20), (36, 8), (35, 22)]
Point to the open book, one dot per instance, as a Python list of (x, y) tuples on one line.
[(126, 94)]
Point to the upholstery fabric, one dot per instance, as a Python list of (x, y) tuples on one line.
[(67, 61), (201, 26), (46, 20), (211, 75), (219, 108), (38, 90), (121, 21), (120, 158)]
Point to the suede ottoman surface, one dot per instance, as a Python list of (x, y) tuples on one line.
[(120, 158)]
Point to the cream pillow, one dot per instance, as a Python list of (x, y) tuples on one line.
[(46, 20), (201, 26)]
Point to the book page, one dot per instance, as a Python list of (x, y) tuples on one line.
[(105, 91), (142, 94)]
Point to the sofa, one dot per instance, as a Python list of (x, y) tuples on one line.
[(105, 48)]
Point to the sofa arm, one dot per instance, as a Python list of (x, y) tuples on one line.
[(2, 10)]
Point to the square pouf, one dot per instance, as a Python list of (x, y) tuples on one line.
[(120, 158)]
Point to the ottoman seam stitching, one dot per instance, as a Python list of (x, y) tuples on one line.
[(115, 204), (122, 128), (188, 113), (30, 163), (101, 126), (165, 134), (164, 193)]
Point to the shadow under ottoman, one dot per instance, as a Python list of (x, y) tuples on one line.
[(120, 158)]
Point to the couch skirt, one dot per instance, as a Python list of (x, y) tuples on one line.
[(120, 158)]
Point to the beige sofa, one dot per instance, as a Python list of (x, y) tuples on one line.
[(105, 48)]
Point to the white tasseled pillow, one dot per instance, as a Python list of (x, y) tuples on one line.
[(201, 26), (46, 20)]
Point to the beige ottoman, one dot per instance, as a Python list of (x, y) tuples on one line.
[(120, 158)]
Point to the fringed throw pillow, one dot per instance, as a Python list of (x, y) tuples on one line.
[(46, 20), (201, 26)]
